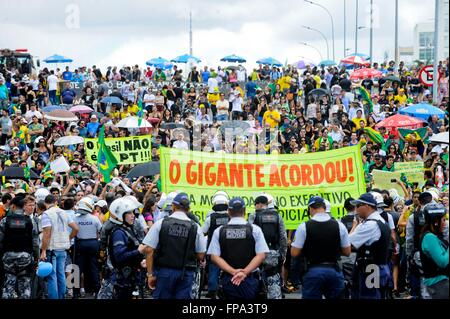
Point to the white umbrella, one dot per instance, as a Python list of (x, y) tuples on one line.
[(69, 140), (133, 122), (61, 115), (440, 138)]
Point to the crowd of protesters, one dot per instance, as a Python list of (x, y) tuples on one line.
[(281, 106)]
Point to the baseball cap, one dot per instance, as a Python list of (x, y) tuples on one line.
[(366, 198), (7, 185), (316, 200), (93, 116), (236, 203), (20, 191), (182, 200), (101, 203)]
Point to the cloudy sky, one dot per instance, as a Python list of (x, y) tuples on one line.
[(110, 32)]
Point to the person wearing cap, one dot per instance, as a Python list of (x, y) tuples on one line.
[(19, 244), (216, 218), (8, 188), (93, 126), (321, 241), (238, 249), (414, 225), (370, 236), (271, 223), (174, 245), (86, 244)]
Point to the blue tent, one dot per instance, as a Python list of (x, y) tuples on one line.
[(57, 59), (327, 63), (185, 59), (422, 111), (233, 58), (160, 63), (269, 61)]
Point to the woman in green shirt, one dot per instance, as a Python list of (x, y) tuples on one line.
[(434, 253)]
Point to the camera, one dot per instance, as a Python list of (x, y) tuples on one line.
[(393, 180)]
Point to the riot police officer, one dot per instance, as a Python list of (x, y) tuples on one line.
[(434, 253), (19, 242), (218, 217), (86, 244), (174, 244), (271, 223), (370, 236), (238, 249), (125, 252), (321, 241)]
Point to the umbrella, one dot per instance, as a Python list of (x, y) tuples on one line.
[(392, 78), (160, 63), (61, 115), (133, 122), (394, 122), (269, 61), (154, 120), (69, 140), (111, 100), (17, 173), (302, 64), (231, 67), (48, 109), (361, 55), (440, 138), (145, 169), (354, 59), (185, 58), (57, 59), (422, 111), (233, 58), (327, 63), (82, 109), (171, 126), (319, 92), (365, 73)]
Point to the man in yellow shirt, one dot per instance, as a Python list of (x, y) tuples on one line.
[(318, 80), (23, 133), (401, 97), (271, 117), (358, 119)]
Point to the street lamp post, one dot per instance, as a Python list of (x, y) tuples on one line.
[(332, 21), (436, 51), (324, 37), (345, 28), (356, 27), (371, 32), (311, 46)]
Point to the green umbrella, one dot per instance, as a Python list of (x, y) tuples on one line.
[(392, 78)]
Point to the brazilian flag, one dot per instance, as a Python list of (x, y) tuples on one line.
[(106, 161), (374, 136), (26, 173), (366, 97), (140, 113)]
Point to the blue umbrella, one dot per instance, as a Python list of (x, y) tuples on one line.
[(48, 109), (57, 59), (111, 99), (422, 111), (269, 61), (233, 58), (185, 59), (160, 63), (327, 62)]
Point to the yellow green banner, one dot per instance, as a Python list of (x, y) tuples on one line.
[(291, 179), (384, 180), (412, 170), (127, 150)]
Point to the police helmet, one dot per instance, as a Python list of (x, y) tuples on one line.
[(379, 198), (169, 200), (85, 205), (119, 207), (220, 201), (41, 193), (327, 206), (134, 200), (433, 213)]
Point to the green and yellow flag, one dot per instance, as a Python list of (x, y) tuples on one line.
[(375, 136), (106, 161), (366, 97)]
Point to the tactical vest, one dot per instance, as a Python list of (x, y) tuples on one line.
[(268, 221), (216, 220), (18, 234), (132, 244), (323, 242), (429, 267), (347, 220), (237, 245), (176, 248), (377, 252)]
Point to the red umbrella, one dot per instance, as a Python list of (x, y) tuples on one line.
[(394, 122), (354, 59), (365, 73)]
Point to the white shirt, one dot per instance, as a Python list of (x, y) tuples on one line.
[(181, 145), (366, 232), (150, 98), (240, 75), (336, 136), (237, 104), (29, 115), (212, 84), (52, 81), (222, 104)]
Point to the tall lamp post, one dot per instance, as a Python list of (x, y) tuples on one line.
[(323, 35), (332, 21), (311, 46), (356, 27)]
